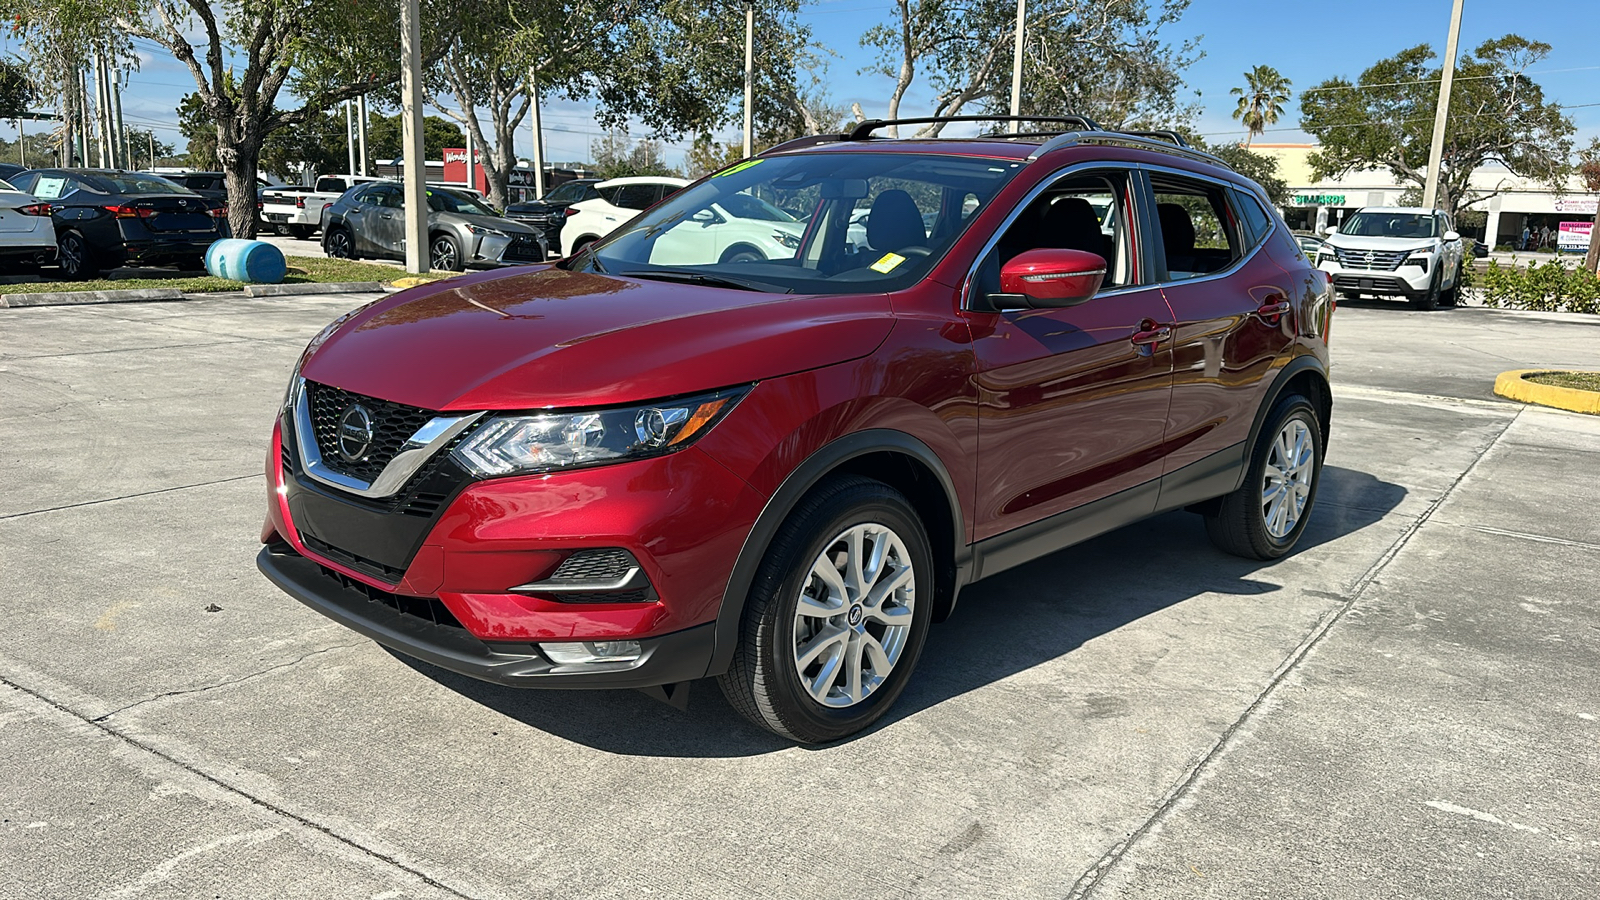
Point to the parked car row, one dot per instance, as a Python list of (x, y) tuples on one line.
[(463, 233)]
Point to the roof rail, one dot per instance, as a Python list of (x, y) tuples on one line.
[(1169, 136), (1132, 140), (810, 140), (864, 130)]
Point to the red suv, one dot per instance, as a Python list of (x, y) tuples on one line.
[(665, 459)]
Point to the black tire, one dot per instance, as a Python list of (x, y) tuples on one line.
[(74, 259), (764, 681), (302, 231), (280, 228), (444, 254), (1238, 523), (340, 244), (742, 253), (1450, 299), (1430, 300)]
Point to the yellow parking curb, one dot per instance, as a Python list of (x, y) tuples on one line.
[(1516, 386), (411, 281)]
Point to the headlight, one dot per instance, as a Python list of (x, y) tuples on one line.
[(786, 239), (1419, 258), (483, 230), (544, 442)]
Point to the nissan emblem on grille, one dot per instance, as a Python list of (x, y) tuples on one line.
[(355, 432)]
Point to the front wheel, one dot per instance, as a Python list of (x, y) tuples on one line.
[(444, 255), (1267, 514), (1429, 299), (837, 614)]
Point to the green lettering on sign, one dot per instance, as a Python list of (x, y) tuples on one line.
[(1319, 199)]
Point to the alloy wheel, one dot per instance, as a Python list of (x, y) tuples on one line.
[(444, 255), (854, 614), (71, 252), (339, 245), (1287, 478)]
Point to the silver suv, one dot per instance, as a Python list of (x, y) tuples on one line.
[(1396, 251), (369, 220)]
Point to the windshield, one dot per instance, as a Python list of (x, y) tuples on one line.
[(1390, 224), (831, 223), (135, 183), (452, 202)]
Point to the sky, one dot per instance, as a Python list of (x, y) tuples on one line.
[(1306, 42)]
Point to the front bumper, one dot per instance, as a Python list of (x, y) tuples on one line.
[(491, 251), (667, 659), (1406, 281)]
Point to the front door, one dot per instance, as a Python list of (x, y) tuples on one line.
[(1073, 402)]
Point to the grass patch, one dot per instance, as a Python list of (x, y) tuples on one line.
[(302, 270), (1580, 381)]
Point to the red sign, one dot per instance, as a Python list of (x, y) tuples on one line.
[(455, 169)]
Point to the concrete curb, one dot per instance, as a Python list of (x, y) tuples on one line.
[(75, 298), (295, 290), (1515, 385)]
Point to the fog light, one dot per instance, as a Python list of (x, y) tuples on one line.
[(589, 653)]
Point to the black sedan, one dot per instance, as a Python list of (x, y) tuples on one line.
[(549, 214), (106, 218)]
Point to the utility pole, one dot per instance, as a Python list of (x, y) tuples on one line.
[(749, 77), (151, 135), (1430, 195), (416, 231), (22, 143), (1016, 67), (83, 114), (124, 152), (100, 126), (349, 136), (538, 134), (361, 131)]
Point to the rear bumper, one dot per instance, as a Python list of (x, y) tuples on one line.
[(160, 251), (38, 254), (680, 656)]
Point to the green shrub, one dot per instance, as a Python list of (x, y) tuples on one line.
[(1549, 287)]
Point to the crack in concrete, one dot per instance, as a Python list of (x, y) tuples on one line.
[(244, 795), (1523, 535), (222, 684), (166, 490), (1092, 877)]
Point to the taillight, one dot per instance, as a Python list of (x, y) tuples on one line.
[(35, 209), (300, 203), (220, 212), (569, 212), (130, 212)]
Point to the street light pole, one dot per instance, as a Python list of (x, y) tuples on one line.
[(1016, 67), (749, 77), (361, 132), (1430, 195), (415, 169), (538, 133)]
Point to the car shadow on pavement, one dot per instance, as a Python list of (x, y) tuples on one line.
[(1014, 621)]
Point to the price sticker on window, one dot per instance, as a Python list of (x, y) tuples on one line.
[(888, 263)]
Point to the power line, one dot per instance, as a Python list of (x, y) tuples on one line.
[(1387, 122)]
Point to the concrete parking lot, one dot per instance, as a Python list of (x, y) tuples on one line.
[(1405, 707)]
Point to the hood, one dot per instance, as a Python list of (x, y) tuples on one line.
[(509, 226), (1389, 244), (553, 338)]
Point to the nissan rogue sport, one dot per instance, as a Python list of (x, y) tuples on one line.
[(644, 465)]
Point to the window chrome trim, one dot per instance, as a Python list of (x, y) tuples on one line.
[(418, 449), (631, 580)]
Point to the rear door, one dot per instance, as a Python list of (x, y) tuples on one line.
[(1233, 320), (1073, 401)]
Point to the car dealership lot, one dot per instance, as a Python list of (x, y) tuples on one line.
[(1403, 707)]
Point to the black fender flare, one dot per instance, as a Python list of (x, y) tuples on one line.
[(1297, 366), (783, 501)]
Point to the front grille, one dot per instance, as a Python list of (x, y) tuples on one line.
[(595, 565), (392, 425), (524, 246), (427, 609), (642, 595), (1371, 260)]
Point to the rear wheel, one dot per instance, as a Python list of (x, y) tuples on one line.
[(837, 614), (1265, 517), (1450, 299), (72, 256), (340, 245), (742, 253)]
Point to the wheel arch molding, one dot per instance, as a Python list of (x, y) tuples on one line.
[(894, 457), (1304, 370)]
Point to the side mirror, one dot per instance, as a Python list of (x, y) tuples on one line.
[(1049, 279), (1331, 229), (1452, 236), (704, 217)]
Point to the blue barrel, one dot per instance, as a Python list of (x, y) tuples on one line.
[(257, 262)]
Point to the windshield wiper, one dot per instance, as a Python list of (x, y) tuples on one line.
[(709, 280)]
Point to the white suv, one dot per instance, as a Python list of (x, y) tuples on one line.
[(1393, 251), (620, 200)]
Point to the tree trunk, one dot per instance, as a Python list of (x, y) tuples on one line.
[(1591, 261), (240, 155)]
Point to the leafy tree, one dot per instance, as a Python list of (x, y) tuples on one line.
[(1496, 114), (384, 136), (1263, 170), (141, 141), (16, 90), (1086, 56), (1261, 100), (617, 156), (37, 148), (706, 156)]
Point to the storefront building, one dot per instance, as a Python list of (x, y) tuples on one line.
[(1315, 205)]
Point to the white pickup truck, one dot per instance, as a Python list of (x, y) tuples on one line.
[(298, 210)]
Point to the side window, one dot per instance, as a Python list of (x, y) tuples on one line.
[(667, 190), (1083, 211), (25, 183), (636, 196), (331, 186), (608, 194), (393, 198), (1256, 220), (52, 187), (1199, 233)]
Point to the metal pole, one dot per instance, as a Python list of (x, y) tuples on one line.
[(538, 134), (1430, 194), (416, 233), (22, 143), (100, 128), (361, 130), (151, 135), (124, 153), (472, 156), (83, 114), (749, 77), (1016, 66), (349, 135)]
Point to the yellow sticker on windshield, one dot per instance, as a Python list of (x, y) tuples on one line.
[(888, 263), (749, 163)]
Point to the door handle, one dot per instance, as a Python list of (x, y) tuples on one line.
[(1270, 312), (1149, 337)]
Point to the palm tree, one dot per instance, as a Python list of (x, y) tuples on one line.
[(1261, 100)]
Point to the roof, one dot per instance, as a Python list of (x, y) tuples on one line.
[(644, 179)]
